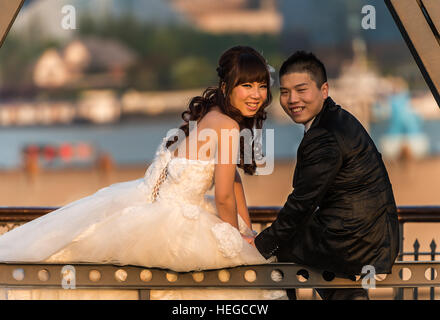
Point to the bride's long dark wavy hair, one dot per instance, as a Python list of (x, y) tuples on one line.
[(237, 65)]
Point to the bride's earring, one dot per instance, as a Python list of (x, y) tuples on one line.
[(223, 89)]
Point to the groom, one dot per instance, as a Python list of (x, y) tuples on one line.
[(341, 214)]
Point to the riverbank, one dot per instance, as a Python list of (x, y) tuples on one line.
[(415, 182)]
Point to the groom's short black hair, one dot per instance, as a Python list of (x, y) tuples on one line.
[(302, 61)]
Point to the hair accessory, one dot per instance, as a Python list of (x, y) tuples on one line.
[(271, 70)]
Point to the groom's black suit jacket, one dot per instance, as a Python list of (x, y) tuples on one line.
[(341, 214)]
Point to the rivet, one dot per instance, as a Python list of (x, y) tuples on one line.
[(250, 275), (224, 275), (146, 275), (18, 274), (43, 275), (94, 275), (198, 276), (172, 276), (121, 275)]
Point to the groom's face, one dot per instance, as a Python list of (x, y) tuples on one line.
[(300, 96)]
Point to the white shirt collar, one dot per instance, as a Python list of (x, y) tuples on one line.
[(308, 124)]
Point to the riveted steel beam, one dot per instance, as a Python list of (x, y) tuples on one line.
[(270, 276), (8, 12), (419, 23)]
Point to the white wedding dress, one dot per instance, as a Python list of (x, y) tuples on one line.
[(130, 223)]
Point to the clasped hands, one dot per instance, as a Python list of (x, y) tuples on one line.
[(249, 239)]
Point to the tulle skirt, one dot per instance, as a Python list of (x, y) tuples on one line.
[(116, 225)]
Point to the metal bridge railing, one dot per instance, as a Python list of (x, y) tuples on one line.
[(270, 276), (406, 275), (258, 214)]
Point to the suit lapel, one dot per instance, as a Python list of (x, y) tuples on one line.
[(327, 104), (315, 123)]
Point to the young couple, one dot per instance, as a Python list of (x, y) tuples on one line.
[(340, 216)]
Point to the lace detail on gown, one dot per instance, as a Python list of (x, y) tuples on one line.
[(162, 177), (229, 239), (156, 172)]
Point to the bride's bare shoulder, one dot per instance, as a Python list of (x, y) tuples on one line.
[(217, 120)]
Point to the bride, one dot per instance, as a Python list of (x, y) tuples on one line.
[(165, 220)]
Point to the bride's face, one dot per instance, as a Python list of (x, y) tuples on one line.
[(249, 97)]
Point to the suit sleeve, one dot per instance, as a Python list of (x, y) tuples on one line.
[(317, 167)]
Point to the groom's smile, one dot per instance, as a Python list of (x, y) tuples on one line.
[(300, 96), (296, 110)]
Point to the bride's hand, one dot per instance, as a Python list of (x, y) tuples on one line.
[(249, 239)]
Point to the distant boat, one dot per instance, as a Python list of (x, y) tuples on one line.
[(404, 137)]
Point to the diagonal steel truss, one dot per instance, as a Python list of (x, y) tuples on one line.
[(8, 12), (419, 23)]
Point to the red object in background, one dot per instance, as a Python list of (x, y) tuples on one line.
[(49, 153), (83, 151), (32, 150), (66, 152)]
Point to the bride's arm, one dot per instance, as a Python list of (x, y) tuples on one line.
[(241, 200), (224, 174)]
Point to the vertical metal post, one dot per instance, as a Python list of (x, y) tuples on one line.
[(144, 294), (399, 291), (433, 246), (416, 258)]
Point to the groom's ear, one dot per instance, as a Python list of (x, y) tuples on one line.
[(324, 90)]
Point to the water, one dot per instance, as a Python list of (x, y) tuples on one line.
[(135, 142)]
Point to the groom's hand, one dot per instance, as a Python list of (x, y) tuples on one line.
[(266, 243)]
